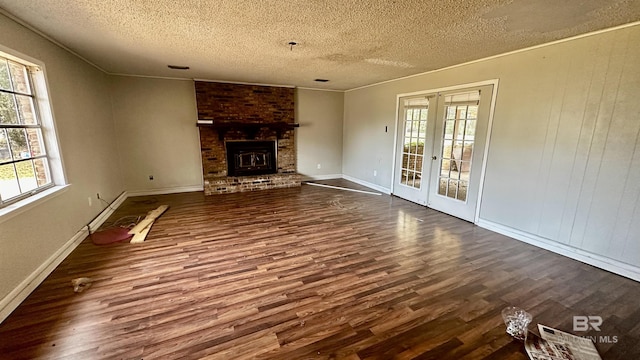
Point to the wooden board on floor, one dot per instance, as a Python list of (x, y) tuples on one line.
[(141, 230)]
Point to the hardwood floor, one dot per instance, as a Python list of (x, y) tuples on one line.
[(311, 273)]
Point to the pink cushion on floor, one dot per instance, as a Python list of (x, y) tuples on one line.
[(110, 236)]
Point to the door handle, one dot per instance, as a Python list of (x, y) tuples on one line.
[(434, 157)]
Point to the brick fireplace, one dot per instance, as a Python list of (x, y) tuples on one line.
[(237, 123)]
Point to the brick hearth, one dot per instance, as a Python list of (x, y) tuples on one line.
[(236, 107), (231, 184)]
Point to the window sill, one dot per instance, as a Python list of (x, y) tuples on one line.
[(21, 206)]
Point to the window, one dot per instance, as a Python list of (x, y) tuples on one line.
[(24, 161)]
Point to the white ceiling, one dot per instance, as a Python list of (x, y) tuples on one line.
[(350, 42)]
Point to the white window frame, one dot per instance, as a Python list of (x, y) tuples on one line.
[(43, 109)]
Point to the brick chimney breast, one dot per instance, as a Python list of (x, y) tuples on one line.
[(248, 112)]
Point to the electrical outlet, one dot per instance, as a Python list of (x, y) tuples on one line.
[(319, 166), (375, 172), (90, 202), (150, 177)]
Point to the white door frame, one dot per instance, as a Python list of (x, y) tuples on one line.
[(494, 96)]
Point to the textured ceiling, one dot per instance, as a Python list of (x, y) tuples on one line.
[(350, 42)]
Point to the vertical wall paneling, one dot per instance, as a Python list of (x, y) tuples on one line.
[(625, 237), (585, 139), (562, 134), (631, 247), (563, 169), (628, 113), (550, 124), (616, 157), (589, 193)]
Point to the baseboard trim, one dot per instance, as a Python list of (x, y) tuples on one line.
[(164, 191), (379, 188), (599, 261), (321, 177), (10, 302)]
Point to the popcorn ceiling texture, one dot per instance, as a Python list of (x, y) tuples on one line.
[(350, 42), (245, 104)]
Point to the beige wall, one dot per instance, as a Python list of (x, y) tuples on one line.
[(157, 133), (80, 99), (319, 137), (564, 158)]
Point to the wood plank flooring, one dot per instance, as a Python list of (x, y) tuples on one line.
[(311, 273)]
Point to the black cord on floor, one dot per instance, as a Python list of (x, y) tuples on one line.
[(108, 205)]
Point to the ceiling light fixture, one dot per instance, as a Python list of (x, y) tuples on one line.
[(177, 67), (292, 44), (321, 80)]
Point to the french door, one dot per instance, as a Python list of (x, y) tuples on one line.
[(415, 144), (440, 150)]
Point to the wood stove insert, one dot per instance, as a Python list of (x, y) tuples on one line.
[(251, 157)]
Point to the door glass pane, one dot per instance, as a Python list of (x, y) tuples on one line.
[(422, 133), (407, 134), (445, 167), (462, 190), (414, 135), (447, 149), (470, 131), (461, 111), (451, 112), (460, 126), (419, 161), (423, 115), (416, 114), (472, 113), (465, 168), (452, 189), (449, 125), (442, 187)]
